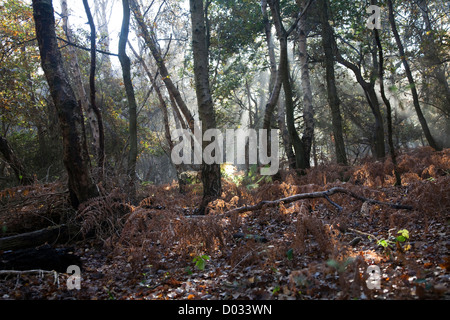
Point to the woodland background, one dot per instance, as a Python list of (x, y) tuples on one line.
[(87, 104)]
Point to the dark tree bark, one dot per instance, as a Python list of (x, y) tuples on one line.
[(44, 257), (377, 139), (333, 99), (100, 152), (275, 85), (386, 101), (132, 107), (283, 75), (412, 84), (80, 92), (211, 177), (76, 158), (54, 234)]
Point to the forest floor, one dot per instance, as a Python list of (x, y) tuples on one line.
[(305, 250)]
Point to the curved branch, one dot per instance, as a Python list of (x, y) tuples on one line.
[(315, 195)]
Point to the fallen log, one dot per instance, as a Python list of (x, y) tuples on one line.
[(35, 238), (41, 258), (313, 195)]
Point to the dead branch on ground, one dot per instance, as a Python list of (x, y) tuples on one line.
[(314, 195)]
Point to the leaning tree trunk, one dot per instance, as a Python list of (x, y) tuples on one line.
[(412, 84), (76, 157), (210, 172), (148, 35)]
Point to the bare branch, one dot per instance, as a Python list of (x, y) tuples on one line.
[(315, 195)]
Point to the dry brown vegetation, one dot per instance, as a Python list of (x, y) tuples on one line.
[(302, 250)]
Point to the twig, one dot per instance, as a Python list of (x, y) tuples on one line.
[(363, 233), (314, 195), (39, 272), (20, 272), (334, 203), (68, 43)]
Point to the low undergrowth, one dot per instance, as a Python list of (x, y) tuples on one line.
[(303, 250)]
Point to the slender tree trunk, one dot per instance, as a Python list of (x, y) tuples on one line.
[(76, 157), (308, 109), (270, 44), (386, 101), (412, 84), (211, 177), (126, 72), (92, 118), (300, 158), (283, 74), (102, 18), (163, 107), (275, 85), (275, 81), (333, 99), (378, 137), (431, 57), (150, 40), (100, 152), (285, 134)]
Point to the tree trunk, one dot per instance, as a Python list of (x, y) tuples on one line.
[(285, 134), (126, 73), (54, 234), (151, 42), (275, 81), (104, 42), (386, 101), (100, 147), (81, 94), (431, 57), (378, 136), (333, 99), (377, 139), (284, 75), (163, 108), (211, 178), (44, 257), (76, 157), (308, 109), (412, 84)]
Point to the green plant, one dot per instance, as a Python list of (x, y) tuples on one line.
[(290, 254), (399, 241), (276, 290), (200, 261), (340, 266), (253, 178)]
